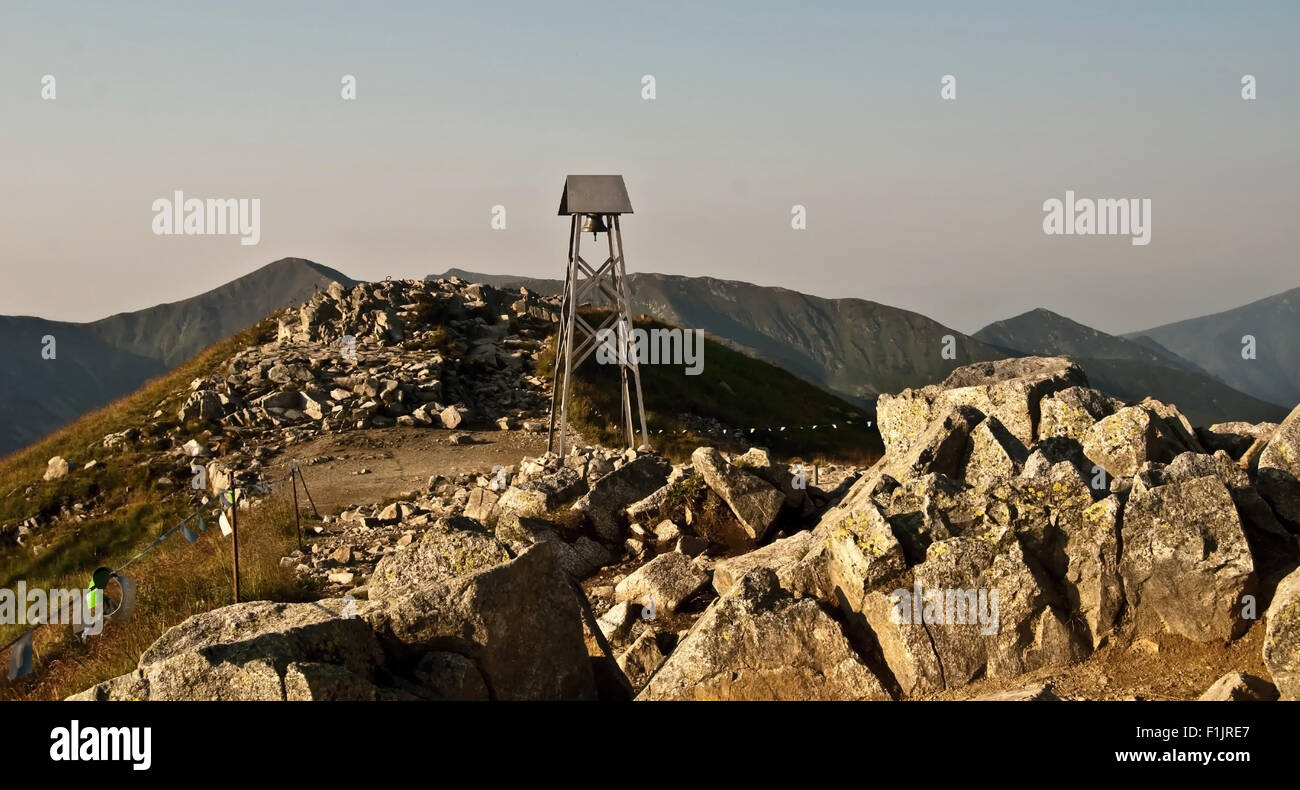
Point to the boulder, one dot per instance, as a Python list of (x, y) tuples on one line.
[(452, 417), (667, 532), (520, 502), (452, 547), (993, 454), (1175, 430), (480, 504), (577, 559), (759, 461), (1234, 438), (616, 624), (540, 495), (612, 493), (648, 508), (57, 467), (754, 501), (1093, 589), (1072, 411), (1048, 507), (1239, 687), (668, 580), (759, 643), (1282, 637), (201, 405), (782, 556), (1124, 441), (942, 447), (641, 660), (1186, 563), (862, 554), (519, 622), (1279, 471), (255, 651), (1009, 389), (977, 607), (1273, 548)]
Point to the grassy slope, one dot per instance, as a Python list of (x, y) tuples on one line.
[(175, 581), (734, 388)]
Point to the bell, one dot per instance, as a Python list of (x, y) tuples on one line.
[(593, 224)]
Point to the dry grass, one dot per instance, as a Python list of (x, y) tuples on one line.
[(177, 579)]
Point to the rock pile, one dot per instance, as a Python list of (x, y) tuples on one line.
[(1019, 521), (443, 354)]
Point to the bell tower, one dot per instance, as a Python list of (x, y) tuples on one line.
[(594, 205)]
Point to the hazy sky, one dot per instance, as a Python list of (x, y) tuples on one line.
[(913, 201)]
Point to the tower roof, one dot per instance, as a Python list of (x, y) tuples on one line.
[(595, 195)]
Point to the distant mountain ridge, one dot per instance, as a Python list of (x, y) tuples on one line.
[(853, 347), (1129, 370), (1215, 342), (859, 349), (100, 361)]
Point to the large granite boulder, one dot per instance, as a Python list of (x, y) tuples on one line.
[(1186, 563), (760, 643), (255, 651), (518, 622)]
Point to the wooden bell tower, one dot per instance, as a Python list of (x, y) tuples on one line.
[(594, 205)]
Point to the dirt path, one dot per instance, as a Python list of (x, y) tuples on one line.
[(398, 460)]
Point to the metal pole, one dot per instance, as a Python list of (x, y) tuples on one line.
[(297, 516), (305, 490), (234, 528)]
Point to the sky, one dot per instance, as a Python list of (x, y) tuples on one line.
[(912, 200)]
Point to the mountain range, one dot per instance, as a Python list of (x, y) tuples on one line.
[(97, 362), (859, 349), (1216, 343), (852, 347), (1130, 370)]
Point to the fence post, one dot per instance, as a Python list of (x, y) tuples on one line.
[(297, 517), (234, 528), (305, 490)]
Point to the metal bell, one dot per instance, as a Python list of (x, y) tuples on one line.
[(593, 224)]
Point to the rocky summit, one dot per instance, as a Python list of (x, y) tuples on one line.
[(1023, 537)]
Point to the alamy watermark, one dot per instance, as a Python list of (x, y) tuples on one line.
[(653, 347), (937, 606), (96, 744), (37, 606), (181, 216), (1099, 217)]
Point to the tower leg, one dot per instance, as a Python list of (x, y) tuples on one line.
[(572, 302), (616, 232), (561, 334)]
